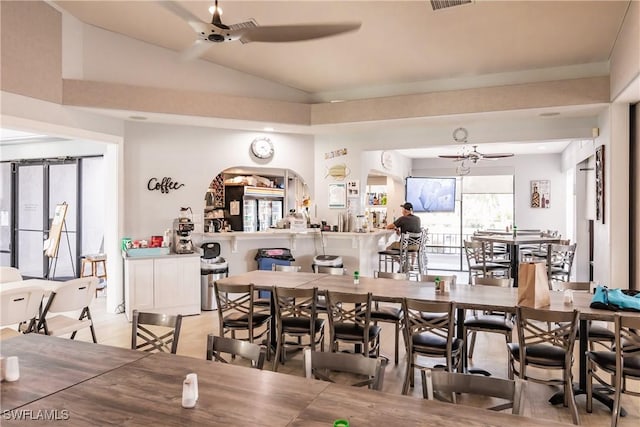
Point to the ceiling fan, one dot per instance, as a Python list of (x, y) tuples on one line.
[(474, 155), (249, 31)]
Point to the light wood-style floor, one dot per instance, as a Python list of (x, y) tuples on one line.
[(490, 354)]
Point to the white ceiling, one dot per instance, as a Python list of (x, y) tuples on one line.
[(402, 46)]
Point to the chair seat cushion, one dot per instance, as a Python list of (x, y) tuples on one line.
[(607, 361), (240, 320), (428, 340), (540, 354), (300, 325), (351, 332), (390, 314), (490, 321)]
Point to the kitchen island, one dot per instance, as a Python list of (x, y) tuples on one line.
[(359, 251)]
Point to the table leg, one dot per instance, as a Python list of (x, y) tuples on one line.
[(515, 262), (583, 345)]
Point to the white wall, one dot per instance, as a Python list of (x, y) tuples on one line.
[(193, 156), (525, 168)]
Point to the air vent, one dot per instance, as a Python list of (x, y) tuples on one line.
[(443, 4)]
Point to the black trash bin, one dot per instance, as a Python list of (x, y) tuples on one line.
[(212, 268)]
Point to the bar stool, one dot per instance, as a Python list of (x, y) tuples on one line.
[(95, 262)]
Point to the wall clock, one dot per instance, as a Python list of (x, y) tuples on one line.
[(460, 135), (386, 159), (262, 148)]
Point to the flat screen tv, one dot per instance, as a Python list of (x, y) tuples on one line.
[(431, 194)]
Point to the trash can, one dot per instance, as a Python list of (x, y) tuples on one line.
[(266, 257), (207, 291), (212, 268)]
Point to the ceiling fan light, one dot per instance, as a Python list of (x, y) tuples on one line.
[(212, 10)]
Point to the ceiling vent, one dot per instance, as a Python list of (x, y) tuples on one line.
[(443, 4)]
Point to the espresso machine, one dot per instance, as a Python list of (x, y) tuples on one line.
[(182, 229)]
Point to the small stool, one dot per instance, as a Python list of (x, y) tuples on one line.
[(95, 261)]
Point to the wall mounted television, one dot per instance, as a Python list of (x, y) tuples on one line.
[(431, 194)]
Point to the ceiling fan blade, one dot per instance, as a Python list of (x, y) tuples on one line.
[(455, 158), (196, 50), (175, 8), (497, 155), (294, 33)]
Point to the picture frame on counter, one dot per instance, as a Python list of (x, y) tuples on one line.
[(337, 196)]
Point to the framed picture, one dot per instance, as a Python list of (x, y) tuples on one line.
[(337, 196), (541, 194), (353, 189), (600, 183)]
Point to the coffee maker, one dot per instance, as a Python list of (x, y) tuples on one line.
[(182, 228)]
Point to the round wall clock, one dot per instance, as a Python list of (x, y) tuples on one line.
[(262, 148), (460, 135), (386, 159)]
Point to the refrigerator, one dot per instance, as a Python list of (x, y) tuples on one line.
[(253, 208)]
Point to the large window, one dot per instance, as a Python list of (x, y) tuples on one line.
[(482, 203)]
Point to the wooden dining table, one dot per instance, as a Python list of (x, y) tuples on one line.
[(466, 297), (513, 243), (50, 364), (146, 389)]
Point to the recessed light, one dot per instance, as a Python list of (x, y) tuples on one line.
[(137, 117), (269, 129), (549, 114), (542, 147), (335, 101)]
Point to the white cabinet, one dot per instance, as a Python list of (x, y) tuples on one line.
[(169, 284)]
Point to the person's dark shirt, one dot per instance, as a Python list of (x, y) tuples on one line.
[(408, 224)]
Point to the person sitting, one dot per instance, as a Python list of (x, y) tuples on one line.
[(407, 223)]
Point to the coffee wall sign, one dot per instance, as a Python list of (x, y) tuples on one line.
[(163, 185)]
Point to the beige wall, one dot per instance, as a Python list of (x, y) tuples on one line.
[(31, 46), (625, 57)]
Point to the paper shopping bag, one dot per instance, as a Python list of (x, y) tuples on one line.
[(533, 285)]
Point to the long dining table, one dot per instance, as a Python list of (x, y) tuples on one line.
[(79, 384), (466, 297)]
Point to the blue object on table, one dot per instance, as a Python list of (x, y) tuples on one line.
[(615, 299)]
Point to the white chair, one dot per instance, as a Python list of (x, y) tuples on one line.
[(9, 274), (73, 295), (20, 305)]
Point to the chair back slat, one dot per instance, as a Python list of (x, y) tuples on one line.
[(217, 347), (164, 335), (450, 383), (285, 268), (320, 365)]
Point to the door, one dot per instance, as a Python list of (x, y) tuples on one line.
[(40, 187), (6, 220)]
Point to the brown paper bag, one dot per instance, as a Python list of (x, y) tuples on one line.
[(533, 285)]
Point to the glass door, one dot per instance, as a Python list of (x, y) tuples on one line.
[(6, 221), (40, 187)]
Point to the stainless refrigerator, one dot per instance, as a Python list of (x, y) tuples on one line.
[(253, 208)]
